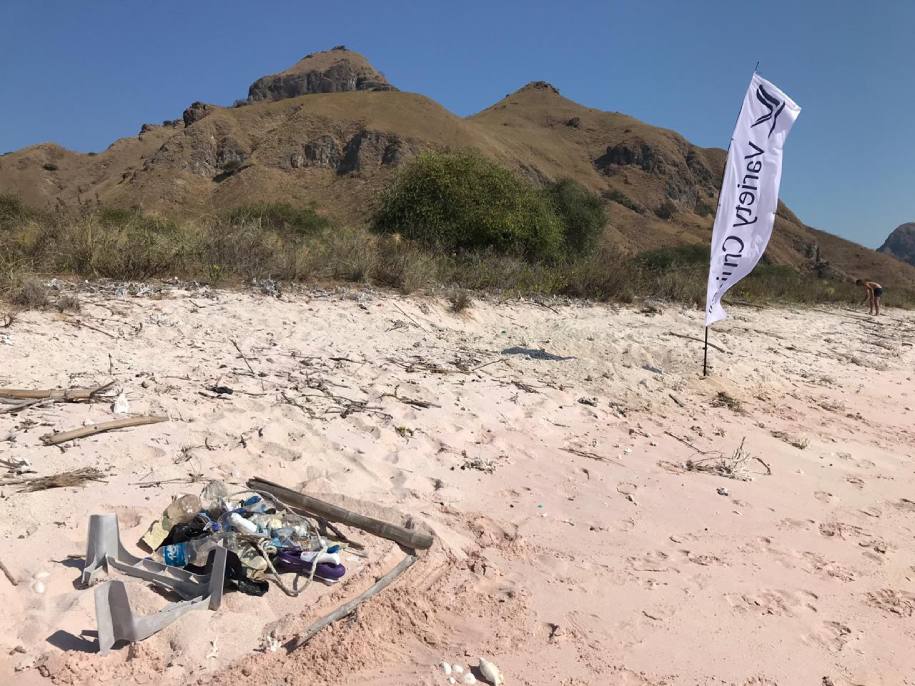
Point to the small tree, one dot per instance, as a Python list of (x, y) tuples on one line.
[(582, 214)]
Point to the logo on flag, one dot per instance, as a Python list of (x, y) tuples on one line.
[(773, 104)]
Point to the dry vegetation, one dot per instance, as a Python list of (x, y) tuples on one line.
[(468, 224)]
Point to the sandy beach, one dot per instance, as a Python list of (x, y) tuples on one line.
[(569, 457)]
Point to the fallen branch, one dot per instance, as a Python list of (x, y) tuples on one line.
[(408, 316), (74, 394), (247, 364), (73, 434), (686, 443), (8, 574), (80, 324), (590, 456), (409, 538), (676, 400), (350, 607), (422, 404), (698, 340)]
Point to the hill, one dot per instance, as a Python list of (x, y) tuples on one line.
[(901, 243), (332, 130)]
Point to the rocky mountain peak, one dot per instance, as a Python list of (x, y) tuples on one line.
[(330, 71), (901, 243)]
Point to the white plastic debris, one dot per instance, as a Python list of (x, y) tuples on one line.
[(446, 668), (490, 672), (121, 405)]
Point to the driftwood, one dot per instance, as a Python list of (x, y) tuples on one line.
[(590, 455), (70, 395), (698, 340), (351, 606), (318, 508), (8, 574), (64, 436)]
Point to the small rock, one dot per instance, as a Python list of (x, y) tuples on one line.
[(723, 491)]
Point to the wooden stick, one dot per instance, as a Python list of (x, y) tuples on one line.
[(698, 340), (79, 324), (73, 434), (8, 574), (74, 394), (408, 538), (247, 364), (349, 607)]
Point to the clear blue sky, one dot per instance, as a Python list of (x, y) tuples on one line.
[(85, 73)]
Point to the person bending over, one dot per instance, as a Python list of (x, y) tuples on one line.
[(872, 293)]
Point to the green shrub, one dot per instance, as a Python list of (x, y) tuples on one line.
[(663, 259), (581, 212), (297, 221), (622, 199), (666, 209), (462, 201)]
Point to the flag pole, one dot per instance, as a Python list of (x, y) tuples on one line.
[(705, 347), (705, 355)]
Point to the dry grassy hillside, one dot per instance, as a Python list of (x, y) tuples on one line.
[(338, 149)]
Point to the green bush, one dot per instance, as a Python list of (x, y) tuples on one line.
[(622, 199), (665, 210), (297, 221), (663, 259), (462, 201), (581, 212)]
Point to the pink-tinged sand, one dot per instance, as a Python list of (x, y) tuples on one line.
[(573, 547)]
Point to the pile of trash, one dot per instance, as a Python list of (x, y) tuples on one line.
[(262, 538)]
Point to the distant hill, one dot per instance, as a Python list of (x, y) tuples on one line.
[(901, 243), (332, 130)]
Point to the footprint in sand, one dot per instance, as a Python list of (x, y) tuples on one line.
[(892, 602), (773, 602), (855, 481), (832, 635), (825, 497), (817, 564), (840, 530)]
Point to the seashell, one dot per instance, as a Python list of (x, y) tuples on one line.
[(458, 669), (446, 668), (469, 678), (490, 672)]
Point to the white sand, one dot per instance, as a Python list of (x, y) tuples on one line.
[(561, 567)]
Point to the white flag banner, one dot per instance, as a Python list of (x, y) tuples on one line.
[(749, 191)]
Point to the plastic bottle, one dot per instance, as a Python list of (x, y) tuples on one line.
[(241, 524), (215, 497), (193, 552), (182, 510)]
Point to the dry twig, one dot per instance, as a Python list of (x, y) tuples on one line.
[(73, 434)]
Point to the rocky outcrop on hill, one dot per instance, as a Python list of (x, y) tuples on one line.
[(901, 243), (333, 71), (364, 151), (196, 112)]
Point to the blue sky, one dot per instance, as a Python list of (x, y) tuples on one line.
[(85, 73)]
